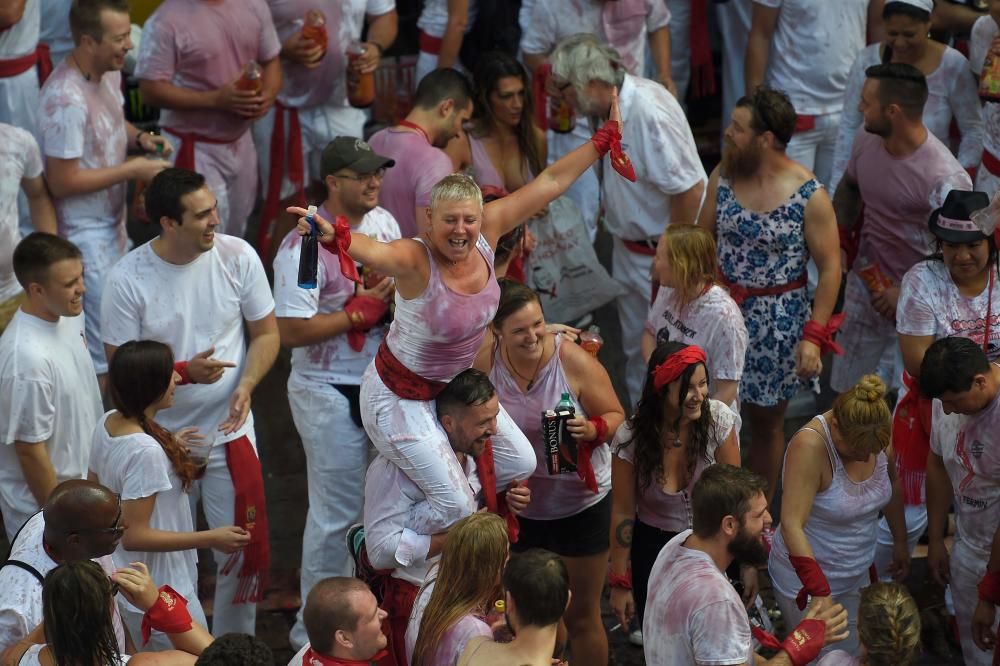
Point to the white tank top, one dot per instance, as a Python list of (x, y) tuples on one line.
[(841, 528), (30, 658), (553, 496), (438, 333)]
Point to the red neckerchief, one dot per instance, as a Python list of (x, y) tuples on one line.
[(313, 658), (412, 125)]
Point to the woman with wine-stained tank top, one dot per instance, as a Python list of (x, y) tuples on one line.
[(570, 510), (838, 474), (446, 295)]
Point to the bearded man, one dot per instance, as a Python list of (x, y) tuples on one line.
[(770, 215)]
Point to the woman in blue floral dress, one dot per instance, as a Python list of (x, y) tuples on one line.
[(769, 215)]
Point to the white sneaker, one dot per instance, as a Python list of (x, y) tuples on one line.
[(635, 638)]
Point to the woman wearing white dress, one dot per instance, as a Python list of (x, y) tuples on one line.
[(151, 469), (952, 90)]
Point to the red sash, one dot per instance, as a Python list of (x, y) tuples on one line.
[(401, 380), (991, 162), (430, 44), (250, 513), (911, 440), (13, 66), (398, 603), (740, 293), (495, 502), (639, 247), (282, 147), (185, 154)]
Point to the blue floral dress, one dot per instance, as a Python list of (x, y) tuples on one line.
[(763, 250)]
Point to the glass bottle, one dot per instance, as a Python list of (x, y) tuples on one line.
[(314, 29), (251, 78), (309, 256), (360, 86)]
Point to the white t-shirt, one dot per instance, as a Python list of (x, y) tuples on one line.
[(19, 159), (967, 444), (22, 37), (191, 308), (693, 613), (983, 32), (434, 17), (712, 321), (931, 304), (554, 20), (658, 139), (48, 393), (21, 593), (813, 47), (332, 360), (84, 120), (136, 467)]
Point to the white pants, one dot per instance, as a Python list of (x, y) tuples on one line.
[(632, 270), (967, 568), (916, 523), (320, 125), (158, 641), (814, 148), (230, 171), (408, 434), (100, 253), (336, 457), (680, 45), (849, 600), (218, 497), (986, 181), (869, 341), (733, 19)]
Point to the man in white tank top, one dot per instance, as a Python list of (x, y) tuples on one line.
[(963, 471)]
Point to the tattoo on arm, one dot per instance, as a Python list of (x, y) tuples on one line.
[(623, 533)]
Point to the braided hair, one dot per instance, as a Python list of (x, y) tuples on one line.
[(889, 625)]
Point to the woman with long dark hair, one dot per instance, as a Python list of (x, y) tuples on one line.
[(660, 452), (151, 469), (77, 630), (502, 145), (452, 606)]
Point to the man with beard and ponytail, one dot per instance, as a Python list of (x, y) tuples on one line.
[(770, 215), (694, 615), (900, 172)]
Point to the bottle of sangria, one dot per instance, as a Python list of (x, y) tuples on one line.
[(360, 86), (251, 78), (314, 29)]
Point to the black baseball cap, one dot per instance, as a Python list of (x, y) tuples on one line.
[(348, 152), (952, 222)]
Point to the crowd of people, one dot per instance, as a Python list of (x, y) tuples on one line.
[(477, 479)]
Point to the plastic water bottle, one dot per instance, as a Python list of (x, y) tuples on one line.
[(309, 257)]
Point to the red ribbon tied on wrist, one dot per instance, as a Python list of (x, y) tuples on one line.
[(609, 138), (822, 336), (814, 582), (181, 368), (675, 364), (803, 644), (620, 581), (989, 588), (339, 246), (169, 615), (364, 313)]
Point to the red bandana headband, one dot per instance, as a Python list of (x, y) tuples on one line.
[(675, 364)]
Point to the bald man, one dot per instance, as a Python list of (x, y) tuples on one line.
[(81, 520)]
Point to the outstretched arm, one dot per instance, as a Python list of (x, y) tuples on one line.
[(504, 214)]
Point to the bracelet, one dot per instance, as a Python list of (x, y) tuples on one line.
[(381, 49), (620, 581), (601, 426), (138, 135)]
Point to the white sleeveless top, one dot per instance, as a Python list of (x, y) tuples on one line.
[(841, 528), (30, 658), (438, 333)]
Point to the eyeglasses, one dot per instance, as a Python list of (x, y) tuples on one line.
[(116, 529), (378, 174)]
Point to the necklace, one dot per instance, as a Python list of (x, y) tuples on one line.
[(412, 125), (77, 63), (531, 379)]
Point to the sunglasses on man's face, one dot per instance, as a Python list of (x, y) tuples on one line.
[(115, 530)]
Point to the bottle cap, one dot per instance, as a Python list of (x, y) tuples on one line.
[(311, 211), (500, 606)]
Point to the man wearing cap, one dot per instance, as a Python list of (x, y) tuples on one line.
[(953, 293), (900, 172), (333, 331)]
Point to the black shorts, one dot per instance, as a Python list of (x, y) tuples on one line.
[(580, 535)]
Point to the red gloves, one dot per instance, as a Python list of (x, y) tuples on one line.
[(169, 614), (822, 336), (813, 581), (803, 644), (364, 313), (609, 139)]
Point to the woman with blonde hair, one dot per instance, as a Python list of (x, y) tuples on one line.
[(690, 307), (838, 474), (452, 606), (888, 628)]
